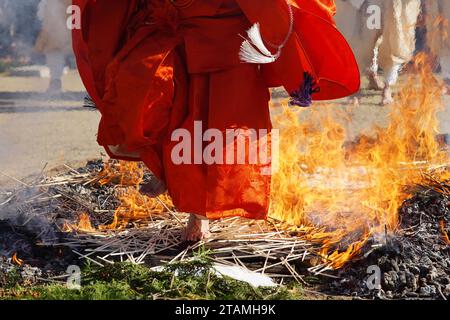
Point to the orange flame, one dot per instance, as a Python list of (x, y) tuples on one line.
[(355, 190), (443, 229), (84, 224), (16, 260), (335, 193), (121, 173), (134, 206)]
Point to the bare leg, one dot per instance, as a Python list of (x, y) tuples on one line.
[(197, 228), (391, 79), (375, 83), (445, 64), (56, 63), (387, 96), (447, 86)]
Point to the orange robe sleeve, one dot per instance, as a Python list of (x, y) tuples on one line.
[(316, 46), (103, 27)]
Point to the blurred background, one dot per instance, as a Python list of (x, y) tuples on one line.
[(42, 122)]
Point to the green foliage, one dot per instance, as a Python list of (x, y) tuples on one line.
[(188, 280), (98, 291), (10, 279)]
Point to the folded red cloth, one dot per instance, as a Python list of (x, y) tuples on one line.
[(153, 67)]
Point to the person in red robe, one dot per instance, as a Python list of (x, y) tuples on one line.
[(159, 69)]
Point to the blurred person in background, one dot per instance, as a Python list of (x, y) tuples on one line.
[(389, 47), (437, 21), (54, 40), (5, 28)]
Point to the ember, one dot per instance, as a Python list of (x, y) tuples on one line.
[(443, 228), (16, 260)]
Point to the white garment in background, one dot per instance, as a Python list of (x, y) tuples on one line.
[(438, 33), (389, 47), (56, 61), (54, 35)]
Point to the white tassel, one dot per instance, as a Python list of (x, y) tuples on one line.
[(253, 49)]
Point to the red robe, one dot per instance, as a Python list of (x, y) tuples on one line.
[(153, 67)]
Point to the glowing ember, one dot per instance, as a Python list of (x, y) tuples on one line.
[(16, 260), (443, 229)]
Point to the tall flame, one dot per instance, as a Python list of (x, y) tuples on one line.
[(351, 192), (336, 193)]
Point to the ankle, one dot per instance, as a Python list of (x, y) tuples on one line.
[(200, 217)]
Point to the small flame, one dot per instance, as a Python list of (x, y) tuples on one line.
[(122, 173), (134, 206), (83, 225), (443, 229), (16, 260)]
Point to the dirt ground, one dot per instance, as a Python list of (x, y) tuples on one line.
[(37, 134)]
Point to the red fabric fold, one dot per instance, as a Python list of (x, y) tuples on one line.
[(150, 71)]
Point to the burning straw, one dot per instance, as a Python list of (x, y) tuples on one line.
[(329, 197), (354, 190), (334, 195)]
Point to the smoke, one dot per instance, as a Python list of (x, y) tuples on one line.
[(21, 215), (25, 102), (18, 27)]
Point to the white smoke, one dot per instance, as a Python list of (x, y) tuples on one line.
[(18, 212), (18, 27)]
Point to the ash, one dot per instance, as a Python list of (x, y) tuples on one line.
[(414, 263)]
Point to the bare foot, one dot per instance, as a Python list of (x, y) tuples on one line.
[(375, 83), (197, 228), (355, 101), (154, 188), (387, 96), (446, 89)]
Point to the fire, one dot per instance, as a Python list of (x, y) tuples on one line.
[(332, 192), (84, 224), (16, 260), (443, 229), (134, 207), (121, 173), (352, 192)]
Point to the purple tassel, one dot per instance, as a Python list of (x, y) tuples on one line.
[(303, 96)]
